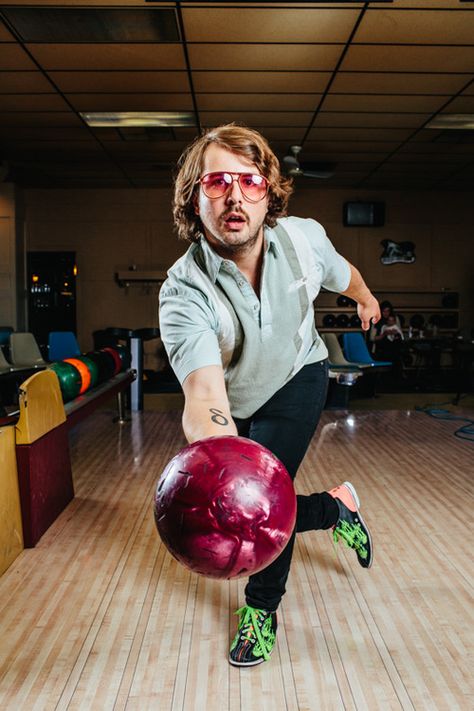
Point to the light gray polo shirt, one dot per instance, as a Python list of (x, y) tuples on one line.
[(210, 314)]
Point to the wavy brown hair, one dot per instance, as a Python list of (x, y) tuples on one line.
[(244, 142)]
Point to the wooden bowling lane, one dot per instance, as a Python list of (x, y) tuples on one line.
[(100, 616)]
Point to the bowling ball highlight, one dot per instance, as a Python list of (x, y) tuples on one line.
[(225, 507)]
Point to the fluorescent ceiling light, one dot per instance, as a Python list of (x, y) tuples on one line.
[(459, 121), (123, 119)]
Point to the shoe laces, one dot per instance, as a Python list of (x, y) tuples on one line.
[(353, 535), (254, 626)]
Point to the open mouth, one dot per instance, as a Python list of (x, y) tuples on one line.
[(234, 220)]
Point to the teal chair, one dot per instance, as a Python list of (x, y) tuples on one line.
[(355, 350)]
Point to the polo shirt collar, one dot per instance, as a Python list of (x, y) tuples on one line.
[(213, 261)]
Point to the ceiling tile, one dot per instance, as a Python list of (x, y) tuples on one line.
[(108, 56), (266, 57), (330, 118), (33, 102), (362, 134), (121, 81), (352, 147), (256, 119), (398, 83), (5, 34), (267, 24), (417, 59), (44, 133), (409, 27), (461, 105), (257, 81), (39, 118), (402, 104), (12, 56), (257, 102), (131, 102), (24, 82)]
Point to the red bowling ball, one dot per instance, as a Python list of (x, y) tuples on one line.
[(225, 507)]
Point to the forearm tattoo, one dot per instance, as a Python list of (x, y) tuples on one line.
[(218, 417)]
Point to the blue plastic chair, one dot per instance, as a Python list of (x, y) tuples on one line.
[(62, 344), (355, 350), (5, 332)]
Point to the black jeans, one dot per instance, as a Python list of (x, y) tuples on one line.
[(286, 425)]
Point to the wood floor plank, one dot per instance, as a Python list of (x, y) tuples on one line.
[(100, 616)]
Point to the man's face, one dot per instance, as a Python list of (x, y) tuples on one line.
[(231, 223)]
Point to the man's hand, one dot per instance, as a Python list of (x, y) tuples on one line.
[(368, 312)]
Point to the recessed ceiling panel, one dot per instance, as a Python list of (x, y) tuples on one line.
[(258, 102), (267, 24), (264, 57), (255, 118), (352, 146), (408, 27), (461, 105), (24, 82), (121, 81), (65, 25), (397, 104), (408, 59), (331, 118), (33, 102), (12, 56), (398, 83), (5, 34), (108, 56), (322, 133), (257, 81), (39, 118), (131, 102)]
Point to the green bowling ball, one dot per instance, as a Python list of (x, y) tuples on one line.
[(92, 368), (70, 380)]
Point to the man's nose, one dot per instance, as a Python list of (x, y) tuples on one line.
[(234, 193)]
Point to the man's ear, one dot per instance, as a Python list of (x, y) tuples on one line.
[(196, 204)]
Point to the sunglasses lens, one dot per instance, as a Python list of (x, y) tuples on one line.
[(253, 187), (216, 184)]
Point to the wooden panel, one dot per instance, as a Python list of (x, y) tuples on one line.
[(40, 118), (364, 134), (365, 120), (257, 119), (258, 102), (120, 81), (386, 26), (131, 102), (12, 56), (397, 104), (108, 56), (398, 83), (268, 25), (11, 532), (24, 82), (33, 102), (265, 57), (417, 59), (260, 81), (41, 407)]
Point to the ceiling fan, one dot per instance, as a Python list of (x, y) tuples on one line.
[(315, 169)]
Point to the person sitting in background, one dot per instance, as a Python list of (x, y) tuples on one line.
[(391, 330), (387, 336)]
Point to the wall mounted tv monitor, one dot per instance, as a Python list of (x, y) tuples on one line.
[(363, 214)]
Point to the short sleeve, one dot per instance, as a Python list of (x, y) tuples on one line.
[(188, 327), (335, 269)]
